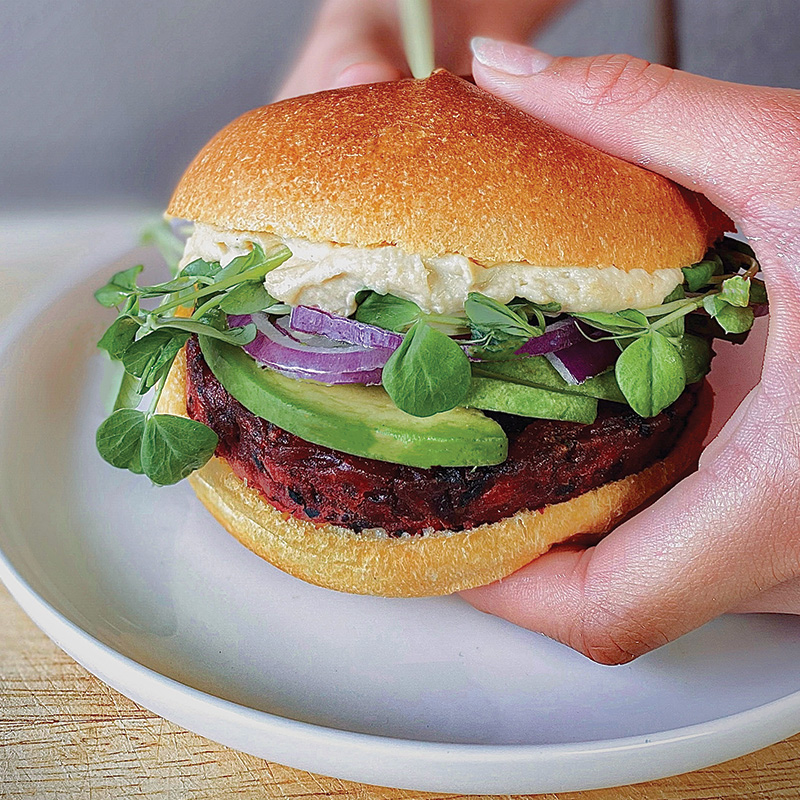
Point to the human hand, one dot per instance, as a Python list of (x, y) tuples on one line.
[(728, 537), (358, 41)]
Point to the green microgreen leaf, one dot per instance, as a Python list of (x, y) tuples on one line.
[(213, 317), (119, 288), (179, 284), (204, 272), (678, 293), (696, 356), (732, 319), (280, 309), (255, 263), (489, 318), (237, 336), (485, 313), (247, 298), (128, 393), (548, 308), (119, 336), (683, 303), (674, 328), (395, 314), (615, 323), (388, 312), (251, 267), (149, 357), (498, 329), (168, 448), (201, 269), (758, 292), (428, 373), (174, 447), (237, 266), (632, 315), (699, 275), (650, 374), (119, 439), (736, 291), (241, 264)]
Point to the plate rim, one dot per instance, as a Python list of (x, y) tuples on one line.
[(90, 652), (728, 736)]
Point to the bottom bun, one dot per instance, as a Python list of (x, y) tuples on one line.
[(434, 564)]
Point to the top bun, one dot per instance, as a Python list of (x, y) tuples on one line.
[(439, 166)]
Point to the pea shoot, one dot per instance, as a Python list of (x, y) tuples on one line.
[(197, 300)]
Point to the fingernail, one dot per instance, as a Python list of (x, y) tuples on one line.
[(513, 59)]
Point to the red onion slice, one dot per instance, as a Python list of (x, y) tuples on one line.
[(286, 331), (318, 345), (371, 356), (579, 362), (314, 320), (557, 336), (282, 324), (327, 363)]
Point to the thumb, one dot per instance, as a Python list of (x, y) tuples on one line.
[(736, 144)]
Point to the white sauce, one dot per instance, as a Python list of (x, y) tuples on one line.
[(329, 276)]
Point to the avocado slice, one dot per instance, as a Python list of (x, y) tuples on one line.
[(537, 371), (530, 401), (356, 419)]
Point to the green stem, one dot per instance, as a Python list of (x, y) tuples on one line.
[(460, 322), (250, 274), (666, 308), (687, 308), (159, 389), (208, 305), (612, 337)]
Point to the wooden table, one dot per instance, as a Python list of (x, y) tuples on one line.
[(64, 734)]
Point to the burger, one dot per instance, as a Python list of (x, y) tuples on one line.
[(417, 337)]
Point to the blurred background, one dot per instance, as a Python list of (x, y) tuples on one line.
[(104, 102)]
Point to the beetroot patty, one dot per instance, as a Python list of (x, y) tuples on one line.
[(548, 462)]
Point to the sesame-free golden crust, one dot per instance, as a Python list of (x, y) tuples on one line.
[(337, 558), (439, 166)]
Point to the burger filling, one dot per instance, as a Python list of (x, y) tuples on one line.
[(548, 462), (378, 390)]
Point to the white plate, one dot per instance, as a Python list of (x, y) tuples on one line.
[(142, 587)]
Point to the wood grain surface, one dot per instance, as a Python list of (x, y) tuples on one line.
[(65, 734)]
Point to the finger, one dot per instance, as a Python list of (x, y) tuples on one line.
[(455, 22), (734, 376), (351, 42), (342, 62), (781, 599), (735, 144), (364, 70), (719, 539)]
